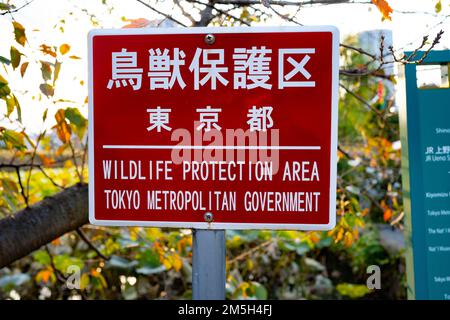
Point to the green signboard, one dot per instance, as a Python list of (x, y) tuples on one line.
[(425, 131)]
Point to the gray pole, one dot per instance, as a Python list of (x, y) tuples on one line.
[(208, 265)]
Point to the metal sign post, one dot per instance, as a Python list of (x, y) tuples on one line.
[(208, 265)]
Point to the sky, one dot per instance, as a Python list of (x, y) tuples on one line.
[(42, 19)]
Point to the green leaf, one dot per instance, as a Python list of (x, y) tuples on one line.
[(6, 6), (260, 292), (4, 88), (10, 104), (63, 262), (19, 33), (5, 60), (76, 119), (44, 115), (46, 70), (13, 139), (353, 291), (42, 257), (15, 57), (47, 89)]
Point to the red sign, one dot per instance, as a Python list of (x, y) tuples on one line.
[(222, 128)]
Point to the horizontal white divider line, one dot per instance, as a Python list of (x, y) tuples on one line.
[(196, 147)]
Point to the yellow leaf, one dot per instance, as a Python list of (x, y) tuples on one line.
[(64, 48), (84, 281), (339, 235), (134, 233), (438, 6), (166, 263), (177, 262), (348, 239), (68, 164), (250, 264), (19, 33), (384, 8)]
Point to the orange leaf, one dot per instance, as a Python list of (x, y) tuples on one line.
[(46, 161), (64, 48), (23, 68), (137, 23), (62, 127), (45, 275), (387, 214), (48, 50), (384, 8)]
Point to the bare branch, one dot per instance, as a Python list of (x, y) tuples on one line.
[(17, 9), (22, 189), (221, 11), (361, 99), (206, 15), (287, 3), (90, 244), (410, 58), (184, 12), (162, 13)]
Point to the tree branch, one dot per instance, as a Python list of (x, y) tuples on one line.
[(33, 227), (167, 16), (286, 3)]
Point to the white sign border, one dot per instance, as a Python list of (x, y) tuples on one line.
[(221, 225)]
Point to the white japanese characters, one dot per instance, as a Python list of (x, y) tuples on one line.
[(209, 117), (164, 71), (250, 68), (260, 119), (299, 68), (124, 68), (159, 119), (210, 63)]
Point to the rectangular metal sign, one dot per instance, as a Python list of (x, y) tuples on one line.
[(220, 128), (425, 131)]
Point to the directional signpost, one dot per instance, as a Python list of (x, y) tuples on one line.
[(213, 129), (425, 130)]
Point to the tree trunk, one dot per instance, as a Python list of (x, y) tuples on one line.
[(31, 228)]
